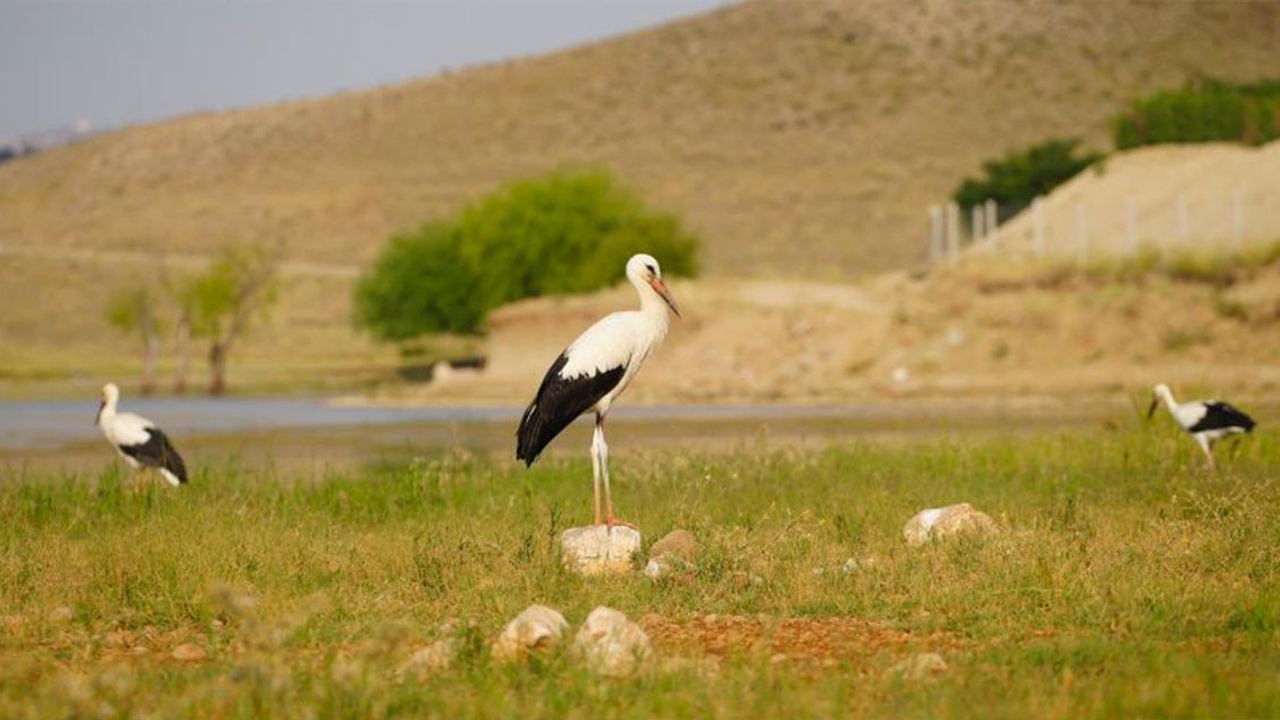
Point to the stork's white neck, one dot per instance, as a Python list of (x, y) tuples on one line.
[(108, 410), (652, 305), (1166, 395)]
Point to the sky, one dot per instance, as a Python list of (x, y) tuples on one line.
[(115, 62)]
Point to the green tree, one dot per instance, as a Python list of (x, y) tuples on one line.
[(1020, 176), (136, 310), (1204, 110), (420, 284), (565, 232), (237, 289)]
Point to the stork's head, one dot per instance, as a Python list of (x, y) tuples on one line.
[(110, 394), (643, 270), (1158, 393)]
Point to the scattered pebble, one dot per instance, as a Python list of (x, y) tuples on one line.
[(537, 629), (611, 644), (189, 652), (939, 523), (920, 667)]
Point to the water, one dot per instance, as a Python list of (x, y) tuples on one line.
[(311, 432)]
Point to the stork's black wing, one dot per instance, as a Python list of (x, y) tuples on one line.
[(559, 402), (157, 452), (1220, 415)]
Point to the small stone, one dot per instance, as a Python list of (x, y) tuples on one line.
[(678, 544), (611, 644), (61, 614), (939, 523), (189, 652), (436, 657), (600, 549), (674, 553), (852, 566), (924, 666), (537, 629)]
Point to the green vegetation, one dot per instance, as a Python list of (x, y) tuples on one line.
[(1203, 111), (136, 311), (1020, 176), (1131, 582), (566, 232), (239, 288)]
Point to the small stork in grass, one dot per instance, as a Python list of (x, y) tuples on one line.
[(594, 370), (138, 440), (1208, 421)]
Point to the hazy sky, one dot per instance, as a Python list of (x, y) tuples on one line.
[(118, 61)]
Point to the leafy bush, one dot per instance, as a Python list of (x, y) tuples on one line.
[(567, 232), (1203, 111), (1020, 176)]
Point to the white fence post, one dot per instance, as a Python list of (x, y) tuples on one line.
[(1237, 218), (976, 223), (937, 234), (1082, 234), (1037, 224), (1180, 209), (993, 224), (953, 231), (1130, 227)]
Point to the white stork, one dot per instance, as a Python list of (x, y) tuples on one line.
[(1208, 421), (594, 370), (138, 440)]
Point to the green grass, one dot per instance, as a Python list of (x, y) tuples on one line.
[(1129, 581)]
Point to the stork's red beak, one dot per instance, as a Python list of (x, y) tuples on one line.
[(1155, 401), (98, 418), (660, 287)]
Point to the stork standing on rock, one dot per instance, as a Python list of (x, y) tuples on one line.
[(594, 370), (138, 440), (1208, 421)]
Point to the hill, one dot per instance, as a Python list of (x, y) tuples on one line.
[(1181, 198), (803, 140), (826, 126)]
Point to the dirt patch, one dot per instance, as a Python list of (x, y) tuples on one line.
[(795, 639)]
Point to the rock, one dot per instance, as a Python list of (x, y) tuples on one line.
[(436, 657), (597, 549), (61, 614), (611, 644), (675, 552), (189, 652), (853, 566), (679, 544), (537, 629), (938, 523), (924, 666)]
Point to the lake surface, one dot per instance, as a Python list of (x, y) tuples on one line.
[(314, 432)]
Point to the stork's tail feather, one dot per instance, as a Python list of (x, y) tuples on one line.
[(531, 437)]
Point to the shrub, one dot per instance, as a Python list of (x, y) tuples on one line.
[(421, 284), (1020, 176), (567, 232), (1202, 111)]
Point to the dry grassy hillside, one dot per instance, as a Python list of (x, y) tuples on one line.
[(802, 139), (823, 127)]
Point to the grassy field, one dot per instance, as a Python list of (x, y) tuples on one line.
[(1128, 581)]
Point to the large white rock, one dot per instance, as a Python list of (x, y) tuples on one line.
[(537, 629), (598, 549), (943, 522), (610, 644)]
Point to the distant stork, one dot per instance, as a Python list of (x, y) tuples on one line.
[(593, 371), (138, 440), (1208, 421)]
